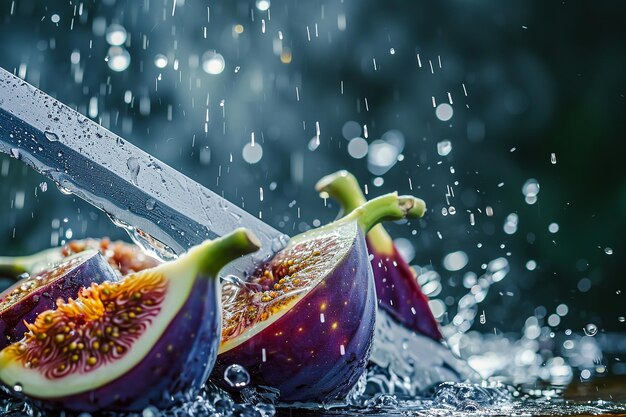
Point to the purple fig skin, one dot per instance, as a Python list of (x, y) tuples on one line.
[(195, 332), (399, 294), (73, 274), (303, 355), (397, 289)]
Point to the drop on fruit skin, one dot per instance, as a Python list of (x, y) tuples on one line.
[(397, 289), (124, 258), (305, 320), (23, 301), (148, 340)]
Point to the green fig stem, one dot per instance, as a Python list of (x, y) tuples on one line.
[(344, 187), (386, 207), (213, 255)]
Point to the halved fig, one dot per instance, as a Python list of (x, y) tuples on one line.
[(125, 258), (303, 323), (24, 300), (150, 339), (397, 289)]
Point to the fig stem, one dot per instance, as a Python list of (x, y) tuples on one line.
[(386, 207), (213, 255), (344, 187)]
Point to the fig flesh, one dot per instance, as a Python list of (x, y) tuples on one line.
[(305, 320), (125, 258), (398, 291), (150, 339), (24, 300)]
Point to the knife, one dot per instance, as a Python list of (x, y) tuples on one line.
[(163, 210)]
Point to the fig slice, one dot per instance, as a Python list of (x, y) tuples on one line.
[(397, 289), (150, 339), (304, 321), (24, 300), (125, 258)]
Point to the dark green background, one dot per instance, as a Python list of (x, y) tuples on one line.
[(542, 77)]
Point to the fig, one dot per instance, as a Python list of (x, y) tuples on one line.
[(303, 322), (148, 340), (125, 258), (24, 300), (398, 291)]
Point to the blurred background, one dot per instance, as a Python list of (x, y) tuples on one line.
[(506, 117)]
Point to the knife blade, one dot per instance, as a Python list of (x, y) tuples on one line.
[(161, 208)]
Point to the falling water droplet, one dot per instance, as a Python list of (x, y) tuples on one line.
[(116, 35), (444, 147), (608, 251), (118, 58), (236, 376), (160, 61), (52, 137), (213, 63), (553, 158), (590, 329)]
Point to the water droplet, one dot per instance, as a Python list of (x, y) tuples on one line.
[(357, 148), (236, 376), (392, 51), (452, 210), (455, 261), (608, 251), (263, 5), (18, 388), (351, 129), (381, 157), (43, 187), (15, 153), (510, 225), (116, 35), (118, 58), (590, 329), (444, 147), (553, 158), (444, 112), (553, 227), (279, 243), (52, 137), (213, 63), (133, 166), (252, 153), (531, 188), (160, 61), (150, 203), (64, 190)]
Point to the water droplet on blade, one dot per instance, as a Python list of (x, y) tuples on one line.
[(150, 203), (52, 137)]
